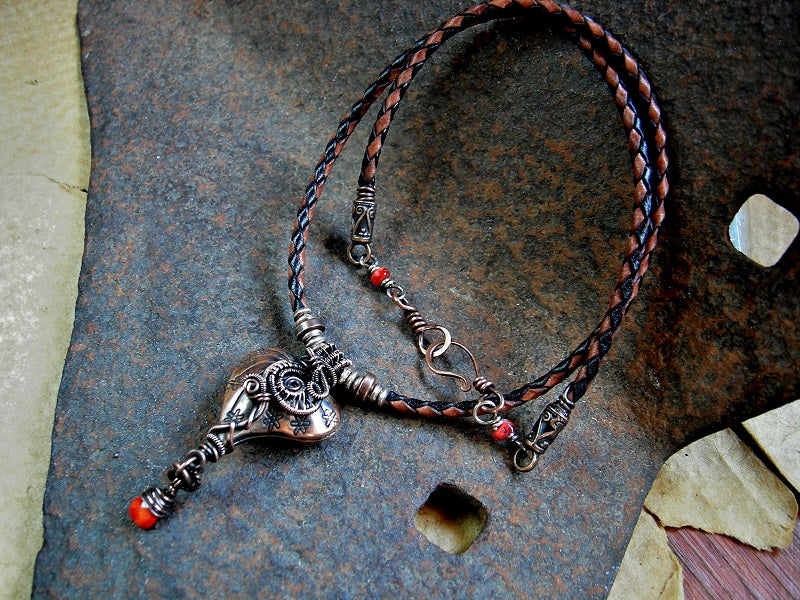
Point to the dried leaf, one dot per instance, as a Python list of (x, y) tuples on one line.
[(778, 434), (718, 485), (649, 569)]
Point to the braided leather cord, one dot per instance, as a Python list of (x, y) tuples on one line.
[(647, 215), (333, 149), (606, 53), (647, 218), (419, 50)]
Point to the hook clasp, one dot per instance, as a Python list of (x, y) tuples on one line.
[(440, 348)]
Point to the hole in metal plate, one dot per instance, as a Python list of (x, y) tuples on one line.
[(763, 230), (451, 519)]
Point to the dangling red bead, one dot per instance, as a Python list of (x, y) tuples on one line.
[(504, 430), (379, 275), (141, 514)]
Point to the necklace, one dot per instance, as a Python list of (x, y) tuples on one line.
[(273, 394)]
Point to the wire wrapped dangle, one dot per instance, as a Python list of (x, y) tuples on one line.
[(271, 394)]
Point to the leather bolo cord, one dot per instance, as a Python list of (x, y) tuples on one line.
[(641, 117), (275, 395)]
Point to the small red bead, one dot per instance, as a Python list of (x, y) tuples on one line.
[(379, 275), (141, 513), (504, 430)]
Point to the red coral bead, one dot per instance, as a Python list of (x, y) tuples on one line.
[(141, 514), (379, 275), (504, 430)]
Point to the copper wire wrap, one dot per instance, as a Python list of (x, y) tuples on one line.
[(185, 475), (483, 385), (160, 501), (416, 321)]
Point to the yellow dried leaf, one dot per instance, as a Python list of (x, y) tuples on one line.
[(649, 569), (718, 485), (778, 434)]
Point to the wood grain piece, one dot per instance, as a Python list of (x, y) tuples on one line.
[(716, 566)]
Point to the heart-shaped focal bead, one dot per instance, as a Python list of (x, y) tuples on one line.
[(282, 396)]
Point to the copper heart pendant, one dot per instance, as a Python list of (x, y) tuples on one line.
[(272, 394)]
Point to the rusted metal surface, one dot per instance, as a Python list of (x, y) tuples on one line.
[(206, 120)]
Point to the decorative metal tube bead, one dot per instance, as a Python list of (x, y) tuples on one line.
[(364, 388), (363, 216), (553, 419), (308, 328)]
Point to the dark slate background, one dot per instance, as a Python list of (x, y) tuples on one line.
[(505, 194)]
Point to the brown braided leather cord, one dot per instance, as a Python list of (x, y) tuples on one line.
[(347, 125), (643, 230), (597, 344), (603, 49)]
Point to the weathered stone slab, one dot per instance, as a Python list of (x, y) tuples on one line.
[(504, 200)]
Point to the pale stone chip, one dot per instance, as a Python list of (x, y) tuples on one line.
[(44, 171), (778, 434), (44, 123), (718, 485), (649, 569), (763, 230)]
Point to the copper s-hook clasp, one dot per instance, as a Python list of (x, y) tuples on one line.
[(432, 349), (440, 348)]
